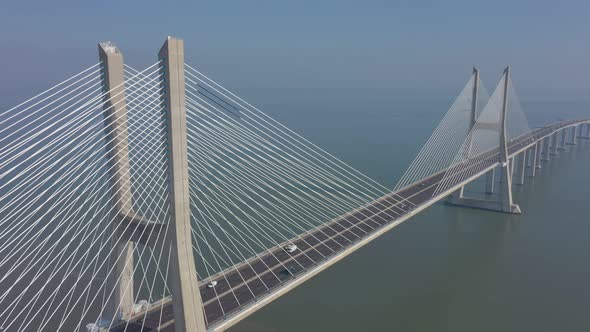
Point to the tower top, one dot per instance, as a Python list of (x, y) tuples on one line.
[(109, 47)]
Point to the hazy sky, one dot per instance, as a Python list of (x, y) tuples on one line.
[(407, 46)]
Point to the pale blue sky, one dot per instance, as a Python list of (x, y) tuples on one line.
[(410, 47)]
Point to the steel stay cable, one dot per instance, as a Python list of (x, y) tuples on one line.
[(44, 92), (62, 147), (279, 124), (62, 249), (104, 93), (26, 134), (273, 181), (118, 257), (221, 139), (276, 139), (261, 145), (80, 126), (82, 164)]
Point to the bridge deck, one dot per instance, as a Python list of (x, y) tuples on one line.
[(250, 282)]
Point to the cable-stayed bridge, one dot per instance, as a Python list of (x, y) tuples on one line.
[(157, 200)]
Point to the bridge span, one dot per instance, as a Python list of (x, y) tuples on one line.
[(320, 248), (157, 200)]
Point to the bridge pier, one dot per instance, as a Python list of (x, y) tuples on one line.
[(490, 181), (538, 155), (554, 144), (581, 133), (521, 167), (507, 204), (546, 149), (573, 134), (563, 139), (503, 205), (512, 161), (529, 157), (533, 160)]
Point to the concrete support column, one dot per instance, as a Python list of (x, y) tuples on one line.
[(554, 144), (120, 304), (573, 135), (490, 181), (512, 160), (563, 139), (538, 155), (530, 156), (186, 297), (546, 149), (521, 167), (502, 175), (457, 195), (533, 159), (506, 195)]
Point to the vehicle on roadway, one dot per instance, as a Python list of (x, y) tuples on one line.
[(290, 248), (212, 284)]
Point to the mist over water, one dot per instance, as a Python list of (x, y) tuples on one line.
[(449, 268)]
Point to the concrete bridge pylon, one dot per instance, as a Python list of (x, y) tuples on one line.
[(182, 276), (505, 202), (186, 297)]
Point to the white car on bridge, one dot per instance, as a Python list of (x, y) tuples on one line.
[(290, 248)]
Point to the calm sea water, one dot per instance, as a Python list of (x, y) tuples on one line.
[(448, 269)]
